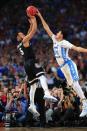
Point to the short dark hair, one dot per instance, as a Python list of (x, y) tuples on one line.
[(64, 32)]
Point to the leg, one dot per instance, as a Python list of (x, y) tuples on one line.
[(32, 94), (43, 81), (78, 90), (44, 85), (80, 93), (32, 80), (70, 72), (41, 105), (71, 75), (32, 107)]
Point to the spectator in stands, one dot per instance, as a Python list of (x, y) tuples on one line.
[(18, 104)]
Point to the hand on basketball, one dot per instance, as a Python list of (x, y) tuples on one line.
[(30, 16), (38, 13)]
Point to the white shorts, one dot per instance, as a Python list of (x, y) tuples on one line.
[(69, 69)]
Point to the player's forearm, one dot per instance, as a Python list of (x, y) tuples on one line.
[(32, 22), (32, 31), (43, 22), (33, 27), (79, 49), (45, 26), (29, 29)]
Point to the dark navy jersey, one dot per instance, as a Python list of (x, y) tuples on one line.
[(26, 52)]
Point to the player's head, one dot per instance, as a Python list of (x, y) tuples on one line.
[(59, 35), (62, 34), (20, 36)]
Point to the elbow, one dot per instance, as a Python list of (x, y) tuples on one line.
[(78, 50)]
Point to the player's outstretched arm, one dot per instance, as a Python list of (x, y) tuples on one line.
[(31, 31), (79, 49), (45, 25), (30, 28)]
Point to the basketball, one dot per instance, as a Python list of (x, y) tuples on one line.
[(31, 10)]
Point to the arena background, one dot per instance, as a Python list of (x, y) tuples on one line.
[(69, 15)]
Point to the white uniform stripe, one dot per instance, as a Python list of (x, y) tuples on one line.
[(40, 73), (33, 80)]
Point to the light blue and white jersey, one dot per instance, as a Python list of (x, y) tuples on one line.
[(61, 49), (67, 66)]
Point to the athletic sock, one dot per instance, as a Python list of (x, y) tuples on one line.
[(32, 94)]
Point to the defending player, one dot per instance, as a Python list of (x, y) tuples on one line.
[(68, 67), (33, 70)]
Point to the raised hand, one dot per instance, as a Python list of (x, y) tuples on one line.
[(38, 13)]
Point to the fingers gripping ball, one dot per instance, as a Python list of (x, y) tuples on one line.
[(31, 10)]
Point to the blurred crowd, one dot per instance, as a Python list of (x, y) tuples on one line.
[(14, 90)]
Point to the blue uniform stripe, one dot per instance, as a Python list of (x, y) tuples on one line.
[(73, 70), (63, 52)]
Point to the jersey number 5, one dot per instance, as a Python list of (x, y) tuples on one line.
[(21, 51)]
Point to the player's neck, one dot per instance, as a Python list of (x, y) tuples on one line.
[(59, 40)]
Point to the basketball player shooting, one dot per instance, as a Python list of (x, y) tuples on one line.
[(34, 71)]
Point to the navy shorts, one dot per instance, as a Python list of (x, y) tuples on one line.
[(33, 71)]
